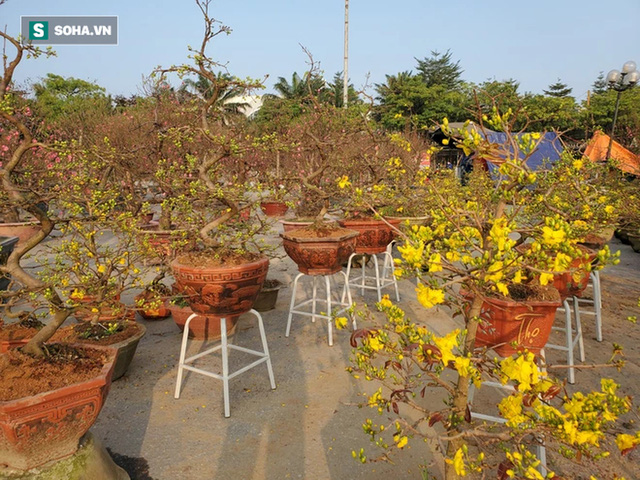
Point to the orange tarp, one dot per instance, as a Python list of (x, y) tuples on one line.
[(596, 151)]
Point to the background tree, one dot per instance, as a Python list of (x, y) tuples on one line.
[(558, 89), (440, 70)]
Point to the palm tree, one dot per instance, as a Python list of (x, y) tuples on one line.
[(229, 102)]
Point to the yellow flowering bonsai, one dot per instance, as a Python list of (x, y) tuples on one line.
[(488, 238)]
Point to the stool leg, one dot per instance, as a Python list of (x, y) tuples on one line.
[(569, 339), (183, 354), (348, 276), (364, 264), (329, 326), (376, 268), (393, 276), (314, 296), (349, 300), (576, 309), (225, 366), (293, 302), (597, 303), (265, 348)]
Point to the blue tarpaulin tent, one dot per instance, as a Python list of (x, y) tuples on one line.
[(546, 154)]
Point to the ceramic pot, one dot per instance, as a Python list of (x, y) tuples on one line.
[(375, 235), (150, 306), (291, 225), (273, 208), (509, 326), (7, 245), (203, 327), (220, 290), (575, 281), (320, 255), (634, 241), (163, 242), (46, 427), (268, 296), (23, 230)]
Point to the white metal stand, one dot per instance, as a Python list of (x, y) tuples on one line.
[(573, 337), (224, 347), (380, 281), (594, 283), (541, 451), (314, 301)]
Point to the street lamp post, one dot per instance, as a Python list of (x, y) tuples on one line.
[(621, 81)]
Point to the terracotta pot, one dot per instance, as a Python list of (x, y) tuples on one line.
[(320, 256), (634, 241), (419, 221), (15, 336), (291, 225), (23, 230), (507, 322), (203, 327), (375, 235), (268, 297), (221, 290), (274, 209), (574, 282), (46, 427), (145, 218), (163, 242), (153, 306), (7, 245)]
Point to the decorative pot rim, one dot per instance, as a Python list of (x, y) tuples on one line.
[(105, 372), (242, 266), (371, 221), (505, 302), (31, 223), (345, 236)]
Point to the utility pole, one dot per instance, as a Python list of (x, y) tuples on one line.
[(345, 74)]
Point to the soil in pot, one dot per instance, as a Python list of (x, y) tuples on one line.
[(124, 336), (17, 334), (22, 375)]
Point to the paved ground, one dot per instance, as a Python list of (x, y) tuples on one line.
[(308, 426)]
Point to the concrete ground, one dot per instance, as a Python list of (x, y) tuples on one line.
[(308, 426)]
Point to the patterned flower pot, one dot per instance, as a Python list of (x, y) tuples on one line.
[(274, 209), (163, 242), (375, 235), (223, 290), (319, 255), (46, 427), (509, 326), (203, 327)]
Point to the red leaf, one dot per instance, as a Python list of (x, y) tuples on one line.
[(435, 418)]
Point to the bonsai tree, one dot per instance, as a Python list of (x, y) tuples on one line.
[(484, 242)]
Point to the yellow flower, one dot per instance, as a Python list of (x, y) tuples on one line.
[(344, 182), (435, 263), (102, 269), (341, 322), (375, 343), (429, 297), (577, 164), (412, 255), (552, 237), (458, 463), (385, 302), (609, 209), (545, 278), (624, 441), (446, 345), (403, 441)]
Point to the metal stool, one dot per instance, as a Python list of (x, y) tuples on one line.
[(380, 281), (224, 346), (594, 283), (573, 336), (314, 300), (541, 451)]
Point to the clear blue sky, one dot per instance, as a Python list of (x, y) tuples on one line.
[(534, 42)]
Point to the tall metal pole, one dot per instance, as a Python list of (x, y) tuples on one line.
[(613, 126), (345, 80)]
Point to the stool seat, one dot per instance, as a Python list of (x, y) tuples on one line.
[(224, 347)]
